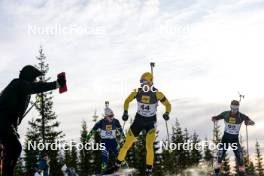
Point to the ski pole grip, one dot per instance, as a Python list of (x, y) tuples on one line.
[(64, 88)]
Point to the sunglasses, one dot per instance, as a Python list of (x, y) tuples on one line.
[(235, 107), (142, 81), (109, 116)]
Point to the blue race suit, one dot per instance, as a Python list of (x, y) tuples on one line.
[(108, 131), (231, 135)]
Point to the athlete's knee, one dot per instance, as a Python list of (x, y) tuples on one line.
[(150, 139), (105, 154), (130, 139)]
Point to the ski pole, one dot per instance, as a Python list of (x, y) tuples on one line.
[(168, 135), (29, 109), (240, 99), (214, 135), (247, 143), (33, 104), (123, 127)]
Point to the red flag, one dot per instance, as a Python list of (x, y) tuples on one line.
[(64, 88)]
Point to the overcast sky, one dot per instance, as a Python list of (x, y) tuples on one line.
[(205, 52)]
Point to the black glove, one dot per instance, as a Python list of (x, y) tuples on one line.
[(214, 119), (61, 81), (166, 116), (125, 116)]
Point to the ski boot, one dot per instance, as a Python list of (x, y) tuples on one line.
[(148, 170), (114, 168)]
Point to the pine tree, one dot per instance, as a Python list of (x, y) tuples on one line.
[(140, 153), (97, 154), (86, 166), (177, 155), (74, 157), (187, 161), (158, 162), (259, 160), (196, 154), (31, 155), (249, 166), (71, 156), (44, 129), (226, 169), (216, 134), (67, 155), (20, 171), (216, 137), (250, 169), (168, 160), (208, 156), (217, 140)]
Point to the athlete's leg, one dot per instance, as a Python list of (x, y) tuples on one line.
[(133, 132), (105, 156), (150, 139), (130, 139), (239, 156), (13, 149), (114, 148), (223, 146)]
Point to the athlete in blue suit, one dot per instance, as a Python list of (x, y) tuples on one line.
[(108, 129)]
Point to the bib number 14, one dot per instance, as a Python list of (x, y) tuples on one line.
[(145, 107)]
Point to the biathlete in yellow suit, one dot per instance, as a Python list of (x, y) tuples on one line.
[(147, 100)]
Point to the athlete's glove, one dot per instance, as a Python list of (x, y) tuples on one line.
[(214, 119), (249, 122), (61, 81), (166, 116), (125, 116)]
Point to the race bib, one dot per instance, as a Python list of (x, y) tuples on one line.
[(105, 134), (147, 110), (232, 128)]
